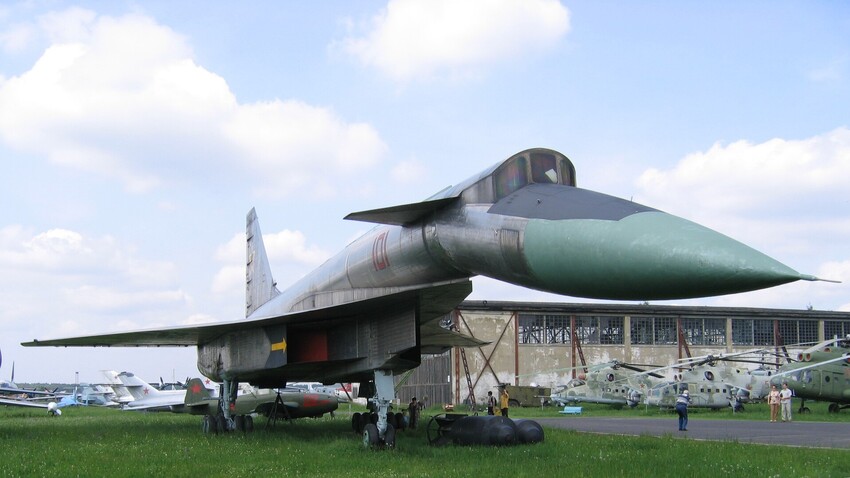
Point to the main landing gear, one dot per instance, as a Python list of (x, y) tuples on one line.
[(224, 421), (380, 434)]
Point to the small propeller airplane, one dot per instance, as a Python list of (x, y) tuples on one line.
[(371, 311)]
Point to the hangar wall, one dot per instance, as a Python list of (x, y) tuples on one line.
[(533, 343)]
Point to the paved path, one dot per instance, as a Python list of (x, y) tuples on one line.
[(807, 434)]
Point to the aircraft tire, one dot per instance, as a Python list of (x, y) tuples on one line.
[(239, 423), (370, 436), (208, 425), (834, 408), (399, 421), (355, 423), (221, 424), (249, 424), (389, 437)]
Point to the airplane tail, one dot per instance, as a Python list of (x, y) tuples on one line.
[(260, 286), (137, 387), (196, 392)]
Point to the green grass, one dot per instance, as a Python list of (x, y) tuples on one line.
[(95, 442)]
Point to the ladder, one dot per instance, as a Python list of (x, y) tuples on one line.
[(468, 382)]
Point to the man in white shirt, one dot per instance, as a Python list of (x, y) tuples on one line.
[(785, 402)]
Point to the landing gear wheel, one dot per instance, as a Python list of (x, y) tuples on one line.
[(433, 431), (805, 410), (399, 420), (834, 408), (249, 424), (370, 436), (389, 437), (221, 424), (239, 423), (209, 425), (355, 422)]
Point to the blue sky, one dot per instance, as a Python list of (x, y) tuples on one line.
[(135, 136)]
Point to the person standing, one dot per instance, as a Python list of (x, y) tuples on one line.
[(491, 404), (413, 411), (785, 402), (504, 399), (682, 402), (773, 401)]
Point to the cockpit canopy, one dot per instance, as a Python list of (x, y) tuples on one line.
[(538, 165)]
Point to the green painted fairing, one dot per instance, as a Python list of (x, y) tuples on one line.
[(650, 255)]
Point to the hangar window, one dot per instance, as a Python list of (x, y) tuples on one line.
[(752, 332), (692, 330), (836, 328), (557, 329), (530, 329), (611, 330), (704, 331), (763, 332), (587, 330), (544, 329), (665, 331), (641, 328), (742, 332), (715, 332), (798, 331)]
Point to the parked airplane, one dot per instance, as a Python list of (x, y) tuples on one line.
[(147, 397), (281, 403), (372, 310)]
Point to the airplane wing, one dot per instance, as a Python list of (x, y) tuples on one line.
[(401, 215), (433, 300), (28, 392), (21, 403)]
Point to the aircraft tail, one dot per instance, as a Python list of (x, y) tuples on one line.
[(260, 286), (196, 392), (137, 387)]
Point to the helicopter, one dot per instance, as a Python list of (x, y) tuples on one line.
[(714, 381), (821, 373), (612, 383)]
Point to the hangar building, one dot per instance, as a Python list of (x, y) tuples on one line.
[(544, 343)]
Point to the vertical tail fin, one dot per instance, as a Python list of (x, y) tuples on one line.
[(137, 387), (260, 286), (196, 391)]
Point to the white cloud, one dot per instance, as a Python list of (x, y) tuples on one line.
[(411, 38), (90, 283), (287, 251), (409, 171), (122, 97), (16, 38), (744, 178), (787, 198), (835, 71)]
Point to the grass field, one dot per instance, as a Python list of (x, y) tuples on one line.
[(93, 442)]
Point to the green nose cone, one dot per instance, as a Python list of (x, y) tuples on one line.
[(645, 256)]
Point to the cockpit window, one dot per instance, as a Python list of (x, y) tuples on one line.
[(544, 168), (512, 177)]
